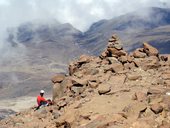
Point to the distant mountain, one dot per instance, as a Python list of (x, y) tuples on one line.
[(133, 28), (46, 49)]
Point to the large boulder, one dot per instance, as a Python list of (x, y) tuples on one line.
[(138, 53), (58, 78), (58, 91), (150, 50)]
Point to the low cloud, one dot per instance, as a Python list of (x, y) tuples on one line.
[(80, 13)]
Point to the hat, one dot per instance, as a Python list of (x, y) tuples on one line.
[(42, 91)]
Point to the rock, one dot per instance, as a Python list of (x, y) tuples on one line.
[(58, 91), (141, 96), (61, 103), (155, 91), (78, 82), (92, 84), (138, 54), (117, 67), (123, 59), (112, 60), (104, 88), (157, 108), (84, 59), (92, 71), (134, 110), (72, 68), (129, 65), (58, 78), (134, 77), (56, 114), (118, 46), (163, 58), (77, 90), (117, 80), (104, 54), (150, 50), (112, 40), (151, 62)]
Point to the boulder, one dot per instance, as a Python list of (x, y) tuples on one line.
[(104, 88), (151, 62), (129, 65), (123, 59), (141, 96), (118, 46), (92, 84), (58, 91), (138, 54), (84, 59), (134, 77), (157, 108), (150, 50), (112, 60), (117, 67), (58, 78)]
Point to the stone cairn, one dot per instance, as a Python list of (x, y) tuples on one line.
[(114, 48)]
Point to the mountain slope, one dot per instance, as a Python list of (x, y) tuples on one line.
[(40, 50), (129, 27)]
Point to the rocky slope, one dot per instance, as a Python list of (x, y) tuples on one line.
[(114, 90)]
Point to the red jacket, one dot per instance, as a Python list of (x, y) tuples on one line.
[(39, 99)]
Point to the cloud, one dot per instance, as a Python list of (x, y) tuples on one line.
[(79, 13)]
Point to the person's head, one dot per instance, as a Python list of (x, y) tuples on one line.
[(42, 92)]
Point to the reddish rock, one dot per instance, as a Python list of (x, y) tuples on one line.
[(84, 59), (130, 58), (138, 54), (117, 67), (129, 65), (150, 50), (157, 108), (123, 59), (141, 96), (104, 54), (58, 78), (151, 62)]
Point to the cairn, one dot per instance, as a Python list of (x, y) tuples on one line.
[(114, 48)]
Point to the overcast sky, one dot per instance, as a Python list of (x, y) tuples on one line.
[(80, 13)]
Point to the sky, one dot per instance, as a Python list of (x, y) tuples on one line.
[(80, 13)]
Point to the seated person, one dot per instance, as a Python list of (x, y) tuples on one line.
[(41, 101)]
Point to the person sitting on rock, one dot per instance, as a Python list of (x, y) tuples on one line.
[(41, 101)]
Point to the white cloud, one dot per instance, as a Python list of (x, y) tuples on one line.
[(80, 13)]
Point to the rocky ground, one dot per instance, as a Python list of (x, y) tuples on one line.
[(114, 90)]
